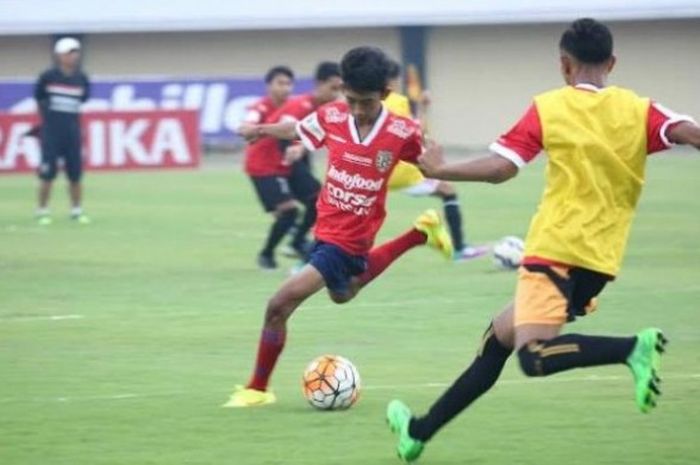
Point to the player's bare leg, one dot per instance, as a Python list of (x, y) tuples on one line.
[(44, 194), (293, 292), (75, 192), (279, 309)]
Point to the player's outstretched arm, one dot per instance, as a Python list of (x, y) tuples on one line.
[(686, 133), (493, 168), (283, 131)]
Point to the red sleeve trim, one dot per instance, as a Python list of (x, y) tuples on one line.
[(522, 142), (659, 121)]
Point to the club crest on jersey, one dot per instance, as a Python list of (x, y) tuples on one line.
[(383, 160), (400, 128), (333, 115)]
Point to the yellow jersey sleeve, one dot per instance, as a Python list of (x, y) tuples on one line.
[(398, 104)]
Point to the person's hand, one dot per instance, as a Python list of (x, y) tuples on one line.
[(249, 132), (34, 131), (293, 153), (425, 99), (432, 159)]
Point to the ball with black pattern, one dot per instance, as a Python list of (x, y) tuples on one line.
[(331, 382)]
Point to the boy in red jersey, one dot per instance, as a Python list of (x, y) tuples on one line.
[(597, 139), (364, 143), (264, 164), (302, 183)]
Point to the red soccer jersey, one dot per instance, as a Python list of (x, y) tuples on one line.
[(294, 109), (263, 157), (351, 204)]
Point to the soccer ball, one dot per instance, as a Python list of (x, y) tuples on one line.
[(331, 382), (508, 252)]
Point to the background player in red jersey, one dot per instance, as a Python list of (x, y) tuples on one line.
[(263, 164), (303, 185), (364, 143)]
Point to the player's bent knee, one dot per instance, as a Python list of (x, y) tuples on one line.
[(278, 310), (47, 172), (530, 361), (340, 298), (445, 189), (287, 212), (74, 178)]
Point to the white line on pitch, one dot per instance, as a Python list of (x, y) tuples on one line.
[(378, 387), (42, 318)]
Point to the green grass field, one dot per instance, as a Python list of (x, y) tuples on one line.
[(161, 307)]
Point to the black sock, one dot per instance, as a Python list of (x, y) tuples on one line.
[(542, 358), (454, 220), (283, 222), (307, 222), (479, 377)]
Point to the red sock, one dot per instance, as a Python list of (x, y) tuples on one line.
[(271, 345), (381, 257)]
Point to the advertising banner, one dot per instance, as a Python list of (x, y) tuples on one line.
[(112, 140), (221, 103)]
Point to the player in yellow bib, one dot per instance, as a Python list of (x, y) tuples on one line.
[(408, 179), (597, 138)]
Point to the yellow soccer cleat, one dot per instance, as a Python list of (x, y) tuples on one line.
[(430, 224), (245, 397)]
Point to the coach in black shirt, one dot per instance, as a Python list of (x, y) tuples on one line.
[(59, 92)]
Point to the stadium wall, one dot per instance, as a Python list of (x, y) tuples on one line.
[(481, 77)]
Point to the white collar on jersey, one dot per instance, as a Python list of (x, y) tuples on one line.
[(587, 86), (378, 123)]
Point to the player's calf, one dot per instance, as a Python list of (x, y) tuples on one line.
[(546, 357)]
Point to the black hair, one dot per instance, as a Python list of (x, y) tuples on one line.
[(394, 70), (365, 69), (588, 40), (277, 71), (326, 70)]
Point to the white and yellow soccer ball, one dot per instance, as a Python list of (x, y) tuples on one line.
[(331, 382), (508, 252)]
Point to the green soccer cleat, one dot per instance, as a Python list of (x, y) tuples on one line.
[(645, 362), (81, 218), (44, 220), (398, 416)]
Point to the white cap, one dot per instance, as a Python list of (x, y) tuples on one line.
[(66, 45)]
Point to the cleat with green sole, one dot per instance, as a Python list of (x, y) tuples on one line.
[(645, 364), (398, 417)]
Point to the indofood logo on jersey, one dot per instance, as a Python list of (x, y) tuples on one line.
[(354, 181), (344, 199)]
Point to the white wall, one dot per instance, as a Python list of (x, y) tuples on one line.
[(483, 77), (228, 53)]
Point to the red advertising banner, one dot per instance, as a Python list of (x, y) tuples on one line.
[(111, 140)]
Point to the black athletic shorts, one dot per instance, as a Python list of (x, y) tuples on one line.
[(274, 190), (65, 146)]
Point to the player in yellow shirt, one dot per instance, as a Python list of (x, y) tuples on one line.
[(597, 138), (408, 179)]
